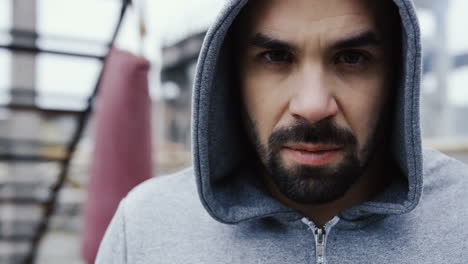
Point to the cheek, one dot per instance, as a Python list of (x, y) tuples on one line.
[(264, 104), (363, 108)]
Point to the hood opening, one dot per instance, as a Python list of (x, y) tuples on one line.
[(228, 186)]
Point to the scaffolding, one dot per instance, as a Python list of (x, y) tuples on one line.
[(33, 170)]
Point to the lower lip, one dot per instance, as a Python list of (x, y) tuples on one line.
[(313, 158)]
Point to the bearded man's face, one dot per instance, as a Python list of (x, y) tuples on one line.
[(314, 77)]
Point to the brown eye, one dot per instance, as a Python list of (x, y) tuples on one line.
[(277, 56), (351, 58)]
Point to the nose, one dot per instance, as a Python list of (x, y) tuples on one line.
[(313, 99)]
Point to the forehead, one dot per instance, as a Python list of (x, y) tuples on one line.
[(300, 19)]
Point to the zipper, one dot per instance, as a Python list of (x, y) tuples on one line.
[(320, 235)]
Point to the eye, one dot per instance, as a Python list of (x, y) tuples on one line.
[(277, 56), (351, 58)]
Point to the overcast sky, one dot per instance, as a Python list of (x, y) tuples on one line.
[(167, 22)]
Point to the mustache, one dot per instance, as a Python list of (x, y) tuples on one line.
[(322, 132)]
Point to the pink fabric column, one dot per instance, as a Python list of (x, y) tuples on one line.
[(122, 154)]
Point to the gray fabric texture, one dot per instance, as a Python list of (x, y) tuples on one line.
[(215, 212)]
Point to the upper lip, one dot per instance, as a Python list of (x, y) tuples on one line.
[(313, 147)]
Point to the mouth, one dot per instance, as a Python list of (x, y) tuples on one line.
[(313, 154)]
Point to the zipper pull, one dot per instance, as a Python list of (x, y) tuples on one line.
[(320, 245), (320, 235)]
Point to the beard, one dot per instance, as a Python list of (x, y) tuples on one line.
[(312, 184)]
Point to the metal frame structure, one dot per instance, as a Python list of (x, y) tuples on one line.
[(82, 117)]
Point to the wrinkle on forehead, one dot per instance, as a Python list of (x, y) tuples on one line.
[(315, 10), (303, 21)]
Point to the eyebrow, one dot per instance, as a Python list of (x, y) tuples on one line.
[(367, 38), (263, 41)]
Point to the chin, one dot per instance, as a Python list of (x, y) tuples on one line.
[(307, 184)]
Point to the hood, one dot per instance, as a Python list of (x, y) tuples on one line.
[(227, 187)]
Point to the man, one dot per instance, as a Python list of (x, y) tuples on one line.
[(306, 148)]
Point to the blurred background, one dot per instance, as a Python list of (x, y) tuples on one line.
[(51, 61)]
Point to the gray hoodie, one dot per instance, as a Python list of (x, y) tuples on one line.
[(215, 213)]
